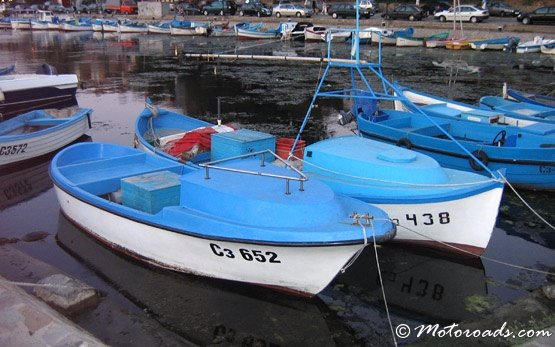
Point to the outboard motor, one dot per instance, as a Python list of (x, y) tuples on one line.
[(511, 45), (45, 69)]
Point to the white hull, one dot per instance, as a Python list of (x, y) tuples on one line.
[(20, 24), (53, 26), (466, 223), (425, 100), (34, 146), (301, 269), (132, 29), (487, 46), (385, 40), (407, 42), (546, 50), (310, 35), (528, 49), (189, 31), (39, 25), (109, 28), (435, 43), (153, 29), (71, 27), (97, 27)]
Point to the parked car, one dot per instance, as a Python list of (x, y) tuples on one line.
[(368, 5), (186, 8), (431, 7), (290, 10), (502, 10), (57, 8), (405, 11), (255, 9), (221, 7), (344, 10), (465, 13), (542, 15)]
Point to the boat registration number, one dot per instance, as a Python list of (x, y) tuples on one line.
[(546, 169), (426, 218), (11, 150), (245, 254)]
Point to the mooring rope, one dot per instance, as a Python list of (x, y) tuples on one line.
[(359, 252), (526, 203), (477, 255)]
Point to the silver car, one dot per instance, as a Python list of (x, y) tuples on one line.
[(290, 10)]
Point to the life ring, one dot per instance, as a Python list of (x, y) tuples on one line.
[(404, 142), (481, 156)]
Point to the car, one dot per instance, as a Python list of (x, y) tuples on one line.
[(502, 10), (290, 10), (465, 13), (186, 8), (57, 8), (254, 9), (431, 6), (405, 11), (368, 5), (542, 15), (221, 7), (344, 10)]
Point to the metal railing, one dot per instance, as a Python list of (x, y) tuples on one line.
[(301, 178)]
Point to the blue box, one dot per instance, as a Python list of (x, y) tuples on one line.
[(151, 192), (242, 141)]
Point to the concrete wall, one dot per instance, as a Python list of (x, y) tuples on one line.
[(149, 9)]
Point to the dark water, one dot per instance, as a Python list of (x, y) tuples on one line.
[(117, 72)]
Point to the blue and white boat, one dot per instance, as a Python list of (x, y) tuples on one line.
[(482, 113), (519, 110), (39, 132), (98, 23), (159, 27), (7, 70), (188, 28), (257, 33), (531, 98), (239, 220), (78, 24), (497, 44), (132, 27), (450, 134), (533, 46)]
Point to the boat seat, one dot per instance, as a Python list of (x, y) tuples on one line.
[(432, 130), (540, 128), (441, 110), (398, 123), (103, 176), (45, 122)]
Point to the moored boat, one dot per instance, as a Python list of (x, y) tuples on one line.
[(531, 98), (497, 44), (259, 33), (39, 132), (212, 227), (519, 110), (533, 46), (548, 48)]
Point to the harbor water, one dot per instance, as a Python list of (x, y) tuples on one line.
[(117, 73)]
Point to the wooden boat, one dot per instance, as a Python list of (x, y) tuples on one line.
[(188, 28), (388, 37), (39, 132), (533, 46), (20, 93), (497, 44), (427, 124), (519, 110), (212, 227), (537, 99), (132, 27), (488, 115), (419, 41), (315, 33), (459, 44), (258, 33), (81, 24)]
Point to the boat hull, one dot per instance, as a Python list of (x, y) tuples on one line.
[(23, 93), (305, 270), (462, 224), (18, 148)]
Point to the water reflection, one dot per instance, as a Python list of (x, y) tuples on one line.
[(207, 311)]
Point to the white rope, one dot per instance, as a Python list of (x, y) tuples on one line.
[(477, 255), (526, 203), (358, 253), (382, 287), (397, 182)]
